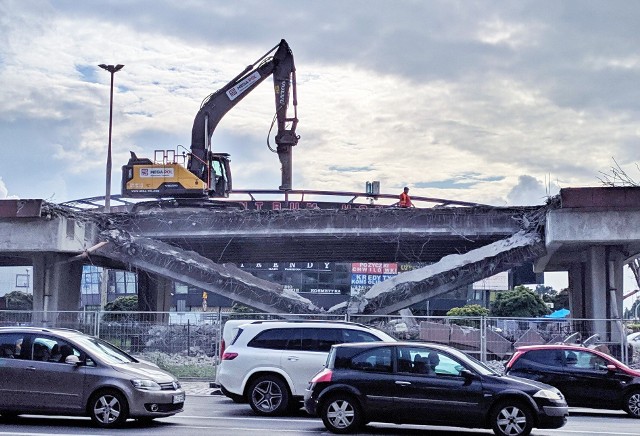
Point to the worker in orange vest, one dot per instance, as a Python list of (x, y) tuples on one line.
[(405, 201)]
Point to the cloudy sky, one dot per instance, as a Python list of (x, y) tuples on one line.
[(497, 102)]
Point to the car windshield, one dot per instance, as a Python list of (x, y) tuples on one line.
[(478, 366), (104, 350)]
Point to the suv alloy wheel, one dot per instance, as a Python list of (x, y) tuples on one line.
[(269, 396)]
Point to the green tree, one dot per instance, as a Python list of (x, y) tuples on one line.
[(561, 300), (521, 302), (128, 303), (240, 311), (121, 304), (18, 300), (470, 310)]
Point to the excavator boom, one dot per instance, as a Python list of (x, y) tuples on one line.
[(215, 107)]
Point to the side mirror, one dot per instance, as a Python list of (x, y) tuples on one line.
[(468, 375), (612, 368), (72, 360)]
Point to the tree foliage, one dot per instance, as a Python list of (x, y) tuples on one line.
[(561, 300), (469, 310), (18, 300), (521, 302), (240, 311), (128, 303)]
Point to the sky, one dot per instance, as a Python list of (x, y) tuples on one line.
[(494, 102)]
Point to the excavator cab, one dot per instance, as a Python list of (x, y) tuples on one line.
[(167, 176), (219, 175)]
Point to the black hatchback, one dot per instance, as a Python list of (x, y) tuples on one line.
[(415, 383)]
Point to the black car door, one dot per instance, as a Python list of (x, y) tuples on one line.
[(371, 374), (430, 388), (544, 365), (588, 383)]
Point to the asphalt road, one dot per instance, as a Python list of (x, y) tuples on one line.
[(216, 415)]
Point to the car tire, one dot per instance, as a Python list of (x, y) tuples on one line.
[(269, 396), (108, 408), (341, 413), (632, 403), (511, 418)]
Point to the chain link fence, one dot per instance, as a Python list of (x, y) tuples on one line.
[(187, 343)]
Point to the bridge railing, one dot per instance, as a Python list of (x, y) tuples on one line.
[(188, 343)]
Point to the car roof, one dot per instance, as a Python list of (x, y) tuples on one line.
[(552, 347), (304, 323), (33, 329), (571, 347), (432, 345)]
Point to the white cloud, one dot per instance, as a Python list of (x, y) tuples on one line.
[(530, 192), (418, 93)]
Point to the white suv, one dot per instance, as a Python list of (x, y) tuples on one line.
[(269, 363)]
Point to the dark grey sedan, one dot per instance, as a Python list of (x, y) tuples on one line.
[(65, 372)]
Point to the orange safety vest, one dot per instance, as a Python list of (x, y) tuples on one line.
[(405, 201)]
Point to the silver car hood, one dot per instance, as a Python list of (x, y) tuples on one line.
[(143, 370)]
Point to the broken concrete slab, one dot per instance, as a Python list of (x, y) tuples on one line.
[(190, 268)]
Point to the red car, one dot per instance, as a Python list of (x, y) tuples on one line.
[(586, 377)]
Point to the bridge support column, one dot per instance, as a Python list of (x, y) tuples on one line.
[(577, 304), (154, 292), (56, 283), (597, 288)]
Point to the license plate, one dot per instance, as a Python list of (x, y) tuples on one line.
[(178, 398)]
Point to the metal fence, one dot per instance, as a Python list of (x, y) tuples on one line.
[(187, 343)]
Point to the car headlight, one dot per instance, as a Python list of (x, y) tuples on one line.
[(549, 395), (146, 385)]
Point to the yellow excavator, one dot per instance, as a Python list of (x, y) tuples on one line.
[(201, 173)]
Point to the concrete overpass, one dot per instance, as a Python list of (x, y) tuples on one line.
[(588, 232), (56, 240)]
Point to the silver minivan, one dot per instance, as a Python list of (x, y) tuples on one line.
[(66, 372)]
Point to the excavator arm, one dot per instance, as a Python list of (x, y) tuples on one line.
[(216, 105)]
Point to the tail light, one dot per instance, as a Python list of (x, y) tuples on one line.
[(229, 356), (323, 376), (222, 348)]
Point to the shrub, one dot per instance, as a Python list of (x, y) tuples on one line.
[(521, 302)]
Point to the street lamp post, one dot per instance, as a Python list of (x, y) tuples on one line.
[(107, 198)]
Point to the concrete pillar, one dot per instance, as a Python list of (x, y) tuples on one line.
[(576, 290), (596, 290), (615, 284), (154, 292), (56, 284)]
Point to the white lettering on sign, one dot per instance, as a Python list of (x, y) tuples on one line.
[(156, 172), (243, 85)]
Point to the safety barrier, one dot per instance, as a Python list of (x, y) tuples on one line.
[(188, 343)]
